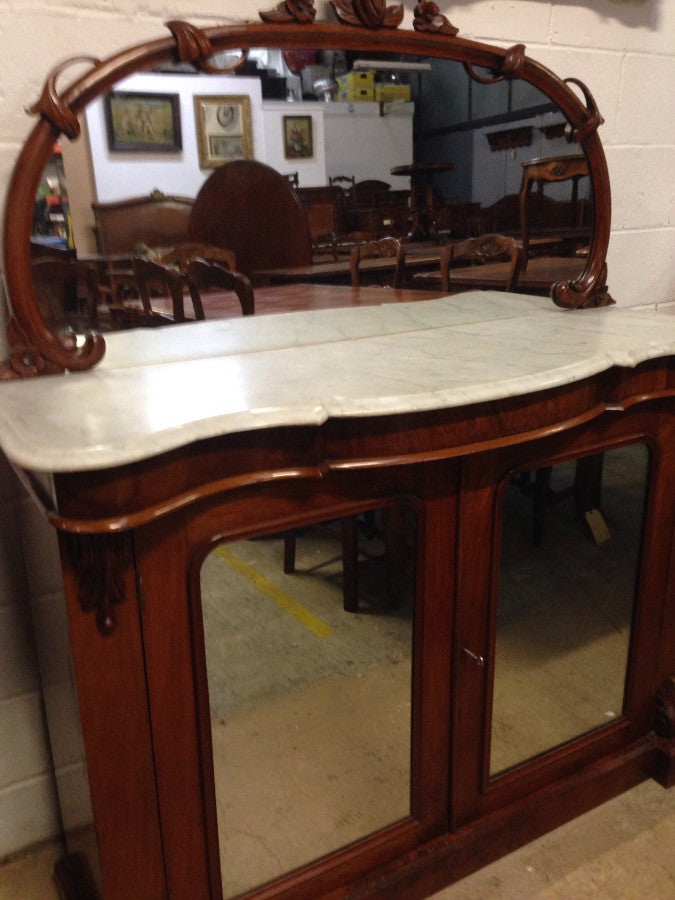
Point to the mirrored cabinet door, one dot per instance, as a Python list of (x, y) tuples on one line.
[(317, 646), (308, 639), (555, 619)]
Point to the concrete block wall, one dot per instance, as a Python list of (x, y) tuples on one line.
[(622, 49), (28, 812)]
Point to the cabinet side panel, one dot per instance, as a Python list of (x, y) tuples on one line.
[(110, 674)]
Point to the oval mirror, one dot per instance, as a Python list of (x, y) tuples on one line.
[(482, 165)]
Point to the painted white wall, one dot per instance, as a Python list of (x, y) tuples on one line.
[(362, 143), (623, 50), (121, 175), (356, 132), (311, 171)]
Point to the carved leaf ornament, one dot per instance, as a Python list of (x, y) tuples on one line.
[(300, 11), (428, 17), (369, 13)]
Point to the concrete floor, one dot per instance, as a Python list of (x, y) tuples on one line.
[(311, 706), (623, 850)]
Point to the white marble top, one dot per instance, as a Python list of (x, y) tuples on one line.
[(159, 389)]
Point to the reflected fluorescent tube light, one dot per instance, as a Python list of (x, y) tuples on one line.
[(391, 66)]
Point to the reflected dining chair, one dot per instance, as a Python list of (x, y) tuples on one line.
[(481, 250), (394, 537), (183, 254), (383, 248), (204, 275), (163, 281)]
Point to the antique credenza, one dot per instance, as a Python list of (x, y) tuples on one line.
[(177, 440)]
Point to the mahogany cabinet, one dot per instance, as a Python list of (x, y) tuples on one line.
[(133, 538)]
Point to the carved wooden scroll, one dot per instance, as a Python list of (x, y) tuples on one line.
[(51, 104), (193, 45), (509, 67), (593, 121)]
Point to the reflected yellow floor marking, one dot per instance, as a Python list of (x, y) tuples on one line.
[(316, 625)]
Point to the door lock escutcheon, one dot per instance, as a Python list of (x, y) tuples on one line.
[(479, 660)]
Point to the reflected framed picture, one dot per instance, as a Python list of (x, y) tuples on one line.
[(298, 137), (224, 129), (138, 122)]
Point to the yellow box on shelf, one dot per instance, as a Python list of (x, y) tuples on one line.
[(356, 87), (387, 92), (356, 95), (356, 80)]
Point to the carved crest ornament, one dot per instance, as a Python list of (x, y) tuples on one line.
[(370, 25)]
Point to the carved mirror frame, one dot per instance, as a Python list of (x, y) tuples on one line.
[(371, 26)]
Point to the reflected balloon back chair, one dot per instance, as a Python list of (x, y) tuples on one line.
[(385, 248), (481, 250), (183, 254), (203, 275), (163, 282), (343, 181)]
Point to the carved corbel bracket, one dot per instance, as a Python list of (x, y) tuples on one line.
[(100, 562), (510, 66), (510, 138), (300, 11), (368, 13), (594, 119), (428, 17), (50, 104), (194, 46)]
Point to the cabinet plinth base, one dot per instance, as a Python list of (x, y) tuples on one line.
[(454, 856)]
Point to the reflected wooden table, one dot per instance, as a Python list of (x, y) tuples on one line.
[(115, 273), (424, 256), (550, 169), (281, 298), (422, 183), (541, 274)]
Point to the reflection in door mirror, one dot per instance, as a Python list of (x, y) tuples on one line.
[(310, 705), (566, 599)]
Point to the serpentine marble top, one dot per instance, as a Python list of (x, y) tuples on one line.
[(159, 389)]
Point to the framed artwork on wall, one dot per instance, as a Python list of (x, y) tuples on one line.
[(224, 129), (298, 137), (138, 122)]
